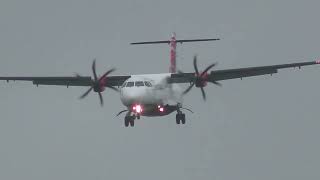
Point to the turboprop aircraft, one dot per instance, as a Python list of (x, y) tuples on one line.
[(157, 94)]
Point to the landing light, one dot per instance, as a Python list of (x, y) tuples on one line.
[(137, 108), (160, 108)]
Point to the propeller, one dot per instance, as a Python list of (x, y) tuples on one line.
[(122, 112), (201, 79), (98, 84)]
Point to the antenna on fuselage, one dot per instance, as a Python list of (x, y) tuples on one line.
[(173, 46)]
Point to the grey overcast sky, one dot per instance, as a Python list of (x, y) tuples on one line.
[(258, 128)]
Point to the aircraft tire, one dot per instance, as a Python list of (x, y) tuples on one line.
[(126, 121), (131, 122), (183, 118), (178, 118)]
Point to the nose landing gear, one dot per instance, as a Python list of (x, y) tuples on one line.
[(129, 120)]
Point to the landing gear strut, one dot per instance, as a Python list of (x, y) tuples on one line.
[(180, 117)]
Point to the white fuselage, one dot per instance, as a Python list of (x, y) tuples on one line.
[(150, 90)]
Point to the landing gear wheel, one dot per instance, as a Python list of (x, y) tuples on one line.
[(126, 121), (131, 122), (183, 118), (178, 118)]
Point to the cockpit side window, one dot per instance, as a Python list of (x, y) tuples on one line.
[(139, 83), (148, 84), (130, 84)]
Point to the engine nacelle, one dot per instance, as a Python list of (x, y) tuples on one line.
[(201, 80)]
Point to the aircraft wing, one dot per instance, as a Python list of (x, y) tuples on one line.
[(68, 80), (219, 75)]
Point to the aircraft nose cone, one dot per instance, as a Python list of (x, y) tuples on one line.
[(133, 96)]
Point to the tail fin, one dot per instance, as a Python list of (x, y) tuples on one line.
[(173, 54), (173, 46)]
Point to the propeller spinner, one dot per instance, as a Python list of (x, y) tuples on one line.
[(99, 84), (201, 79)]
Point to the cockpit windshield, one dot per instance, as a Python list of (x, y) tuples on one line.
[(130, 84), (139, 83)]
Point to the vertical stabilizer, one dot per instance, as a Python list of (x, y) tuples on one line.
[(173, 53)]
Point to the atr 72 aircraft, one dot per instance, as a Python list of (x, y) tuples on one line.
[(157, 94)]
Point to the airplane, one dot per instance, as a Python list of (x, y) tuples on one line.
[(154, 95)]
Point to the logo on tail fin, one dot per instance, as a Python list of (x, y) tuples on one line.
[(173, 46)]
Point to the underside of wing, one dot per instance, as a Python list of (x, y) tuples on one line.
[(97, 82), (65, 80), (200, 78), (225, 74), (219, 75)]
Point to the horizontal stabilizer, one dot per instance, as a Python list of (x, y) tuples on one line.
[(178, 41)]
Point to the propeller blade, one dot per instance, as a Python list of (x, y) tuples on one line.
[(203, 93), (187, 109), (113, 88), (106, 74), (188, 89), (86, 93), (101, 98), (77, 75), (97, 83), (122, 112), (195, 65), (208, 68), (216, 83), (180, 72), (94, 70)]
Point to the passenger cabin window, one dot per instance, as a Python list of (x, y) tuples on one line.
[(148, 84), (139, 83), (130, 84)]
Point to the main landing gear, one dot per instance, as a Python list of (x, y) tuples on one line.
[(129, 119), (180, 117)]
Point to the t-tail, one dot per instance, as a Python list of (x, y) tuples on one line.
[(173, 47)]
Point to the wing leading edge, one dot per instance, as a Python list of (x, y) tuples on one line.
[(219, 75), (213, 76), (68, 81)]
